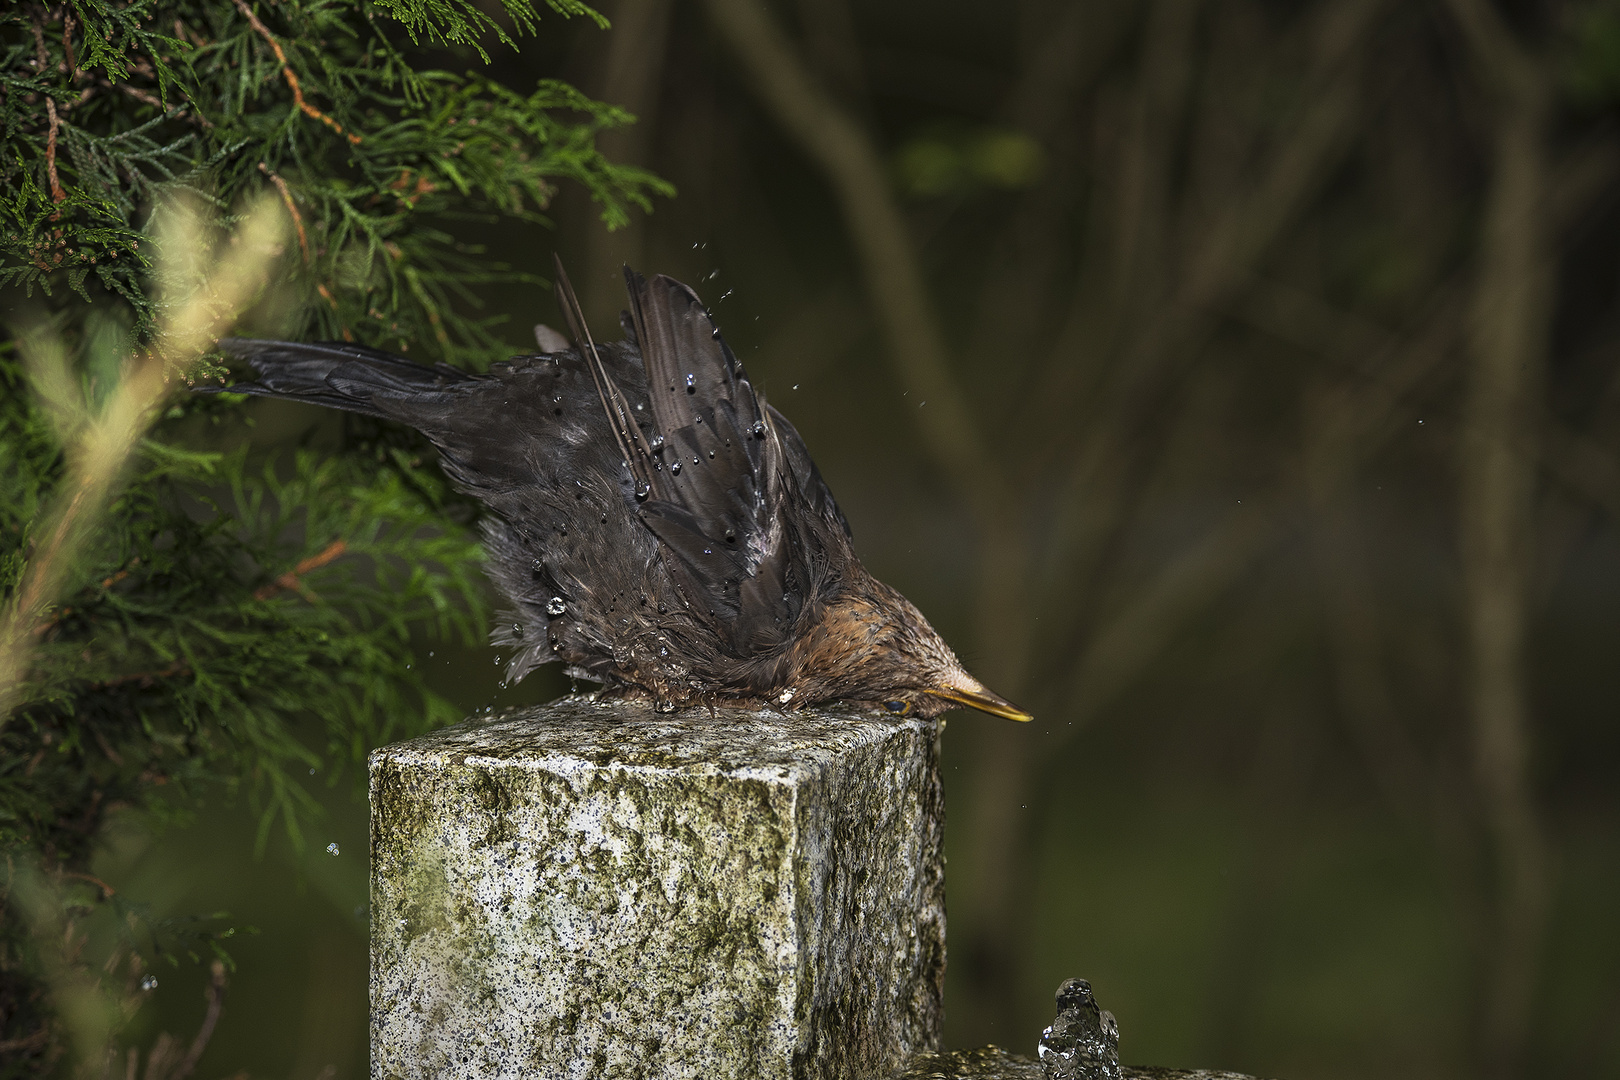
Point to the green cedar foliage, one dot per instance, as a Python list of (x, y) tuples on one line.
[(237, 623)]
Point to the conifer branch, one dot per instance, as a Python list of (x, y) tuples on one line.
[(292, 77), (292, 578)]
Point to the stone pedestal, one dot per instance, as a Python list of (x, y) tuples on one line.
[(587, 890)]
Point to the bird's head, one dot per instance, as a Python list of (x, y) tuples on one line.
[(872, 647)]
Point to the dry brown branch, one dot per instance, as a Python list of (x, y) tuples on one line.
[(292, 210), (1510, 334), (70, 64), (146, 679), (291, 76), (106, 889), (631, 73), (842, 149), (290, 580), (27, 1043), (41, 60), (216, 1001)]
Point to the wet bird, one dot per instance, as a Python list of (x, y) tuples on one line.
[(655, 524)]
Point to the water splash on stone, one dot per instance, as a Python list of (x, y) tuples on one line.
[(1083, 1042)]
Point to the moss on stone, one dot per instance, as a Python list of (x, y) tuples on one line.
[(600, 890)]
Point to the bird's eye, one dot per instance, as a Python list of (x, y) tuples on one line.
[(900, 707)]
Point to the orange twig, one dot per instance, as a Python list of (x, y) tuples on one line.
[(71, 65), (292, 78), (110, 581), (40, 62), (289, 580), (145, 678), (286, 197), (105, 888)]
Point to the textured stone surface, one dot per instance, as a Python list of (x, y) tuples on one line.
[(994, 1063), (598, 890)]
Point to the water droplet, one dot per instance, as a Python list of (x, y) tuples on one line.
[(517, 630), (731, 536), (727, 293), (537, 566), (656, 443), (663, 651), (604, 519), (332, 849), (691, 384), (675, 467), (149, 982), (555, 606), (711, 454), (643, 489), (758, 429), (795, 386), (708, 551), (312, 772)]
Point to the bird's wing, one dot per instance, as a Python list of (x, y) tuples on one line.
[(734, 490)]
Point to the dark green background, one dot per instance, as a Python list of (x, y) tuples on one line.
[(1212, 846)]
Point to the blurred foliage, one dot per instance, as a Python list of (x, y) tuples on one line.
[(1592, 65), (238, 623), (956, 162)]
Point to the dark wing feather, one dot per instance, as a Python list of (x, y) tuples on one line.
[(736, 484), (526, 440)]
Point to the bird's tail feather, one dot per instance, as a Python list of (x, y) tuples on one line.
[(335, 374)]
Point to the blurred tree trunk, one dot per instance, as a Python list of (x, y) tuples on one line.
[(631, 72), (1508, 344)]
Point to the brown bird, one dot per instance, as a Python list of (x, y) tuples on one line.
[(657, 526)]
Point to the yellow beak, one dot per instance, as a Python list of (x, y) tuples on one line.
[(975, 695)]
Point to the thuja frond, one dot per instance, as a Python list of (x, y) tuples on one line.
[(104, 103)]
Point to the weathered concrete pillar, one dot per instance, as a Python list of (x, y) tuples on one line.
[(587, 890)]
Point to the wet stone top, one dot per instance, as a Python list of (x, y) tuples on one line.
[(994, 1063), (752, 744)]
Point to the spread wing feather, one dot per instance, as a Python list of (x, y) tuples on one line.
[(702, 518), (735, 478)]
